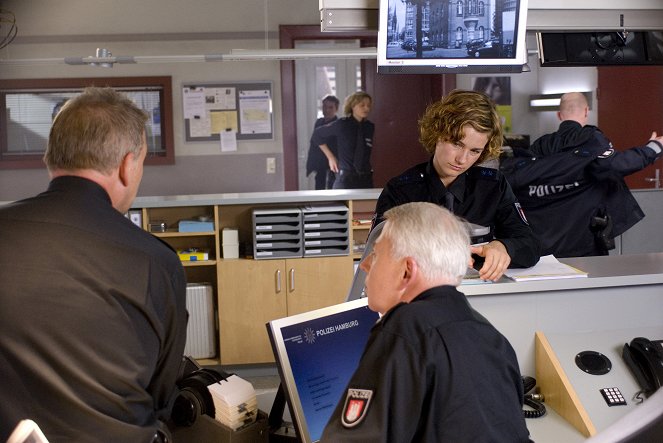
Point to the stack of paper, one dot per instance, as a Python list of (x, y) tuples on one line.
[(547, 268), (235, 402)]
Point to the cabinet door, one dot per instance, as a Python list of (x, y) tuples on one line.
[(314, 283), (250, 295)]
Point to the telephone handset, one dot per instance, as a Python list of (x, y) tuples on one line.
[(645, 360)]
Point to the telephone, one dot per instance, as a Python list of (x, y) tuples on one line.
[(645, 360), (532, 399)]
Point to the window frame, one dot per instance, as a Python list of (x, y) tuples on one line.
[(34, 160)]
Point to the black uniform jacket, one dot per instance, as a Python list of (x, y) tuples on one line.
[(580, 178), (437, 372), (354, 142), (481, 196), (93, 318), (317, 160)]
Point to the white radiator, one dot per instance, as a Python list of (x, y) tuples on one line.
[(200, 331)]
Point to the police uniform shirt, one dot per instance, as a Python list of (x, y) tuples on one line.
[(480, 195), (432, 371), (316, 160), (93, 319), (354, 141), (570, 132)]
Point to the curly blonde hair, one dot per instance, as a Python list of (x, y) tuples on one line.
[(447, 118), (353, 99)]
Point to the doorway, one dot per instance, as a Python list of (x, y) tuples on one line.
[(316, 78), (398, 101)]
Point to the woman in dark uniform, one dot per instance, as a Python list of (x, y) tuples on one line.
[(354, 141), (461, 131)]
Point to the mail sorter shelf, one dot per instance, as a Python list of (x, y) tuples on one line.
[(326, 230), (277, 233)]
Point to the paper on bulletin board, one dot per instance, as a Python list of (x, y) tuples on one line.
[(255, 112), (200, 127), (228, 141), (223, 121), (193, 102), (221, 98)]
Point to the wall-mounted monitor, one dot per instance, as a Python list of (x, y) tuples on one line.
[(316, 354), (451, 36), (615, 48)]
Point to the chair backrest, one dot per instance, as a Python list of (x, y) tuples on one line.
[(357, 288)]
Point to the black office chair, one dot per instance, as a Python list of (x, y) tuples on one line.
[(357, 288)]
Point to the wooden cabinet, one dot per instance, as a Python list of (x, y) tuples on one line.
[(249, 293), (253, 292)]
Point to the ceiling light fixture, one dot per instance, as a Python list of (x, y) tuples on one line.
[(104, 58), (550, 102)]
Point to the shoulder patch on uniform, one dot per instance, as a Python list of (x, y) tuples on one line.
[(356, 405), (485, 173), (607, 153), (410, 177), (583, 152), (521, 213)]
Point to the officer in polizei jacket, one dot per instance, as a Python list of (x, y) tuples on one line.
[(461, 131), (433, 369), (571, 184)]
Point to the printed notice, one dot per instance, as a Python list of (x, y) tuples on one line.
[(228, 141), (223, 121), (224, 98), (193, 102), (200, 127), (255, 112)]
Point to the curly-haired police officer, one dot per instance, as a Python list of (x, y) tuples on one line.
[(462, 131)]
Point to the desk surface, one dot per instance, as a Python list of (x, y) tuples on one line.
[(586, 387), (604, 271), (552, 428)]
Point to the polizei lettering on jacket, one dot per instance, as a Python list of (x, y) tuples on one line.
[(340, 327), (543, 190)]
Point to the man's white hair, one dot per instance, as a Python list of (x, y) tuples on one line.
[(437, 240)]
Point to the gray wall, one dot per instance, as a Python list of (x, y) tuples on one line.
[(646, 235)]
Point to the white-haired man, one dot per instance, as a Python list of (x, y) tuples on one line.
[(433, 369)]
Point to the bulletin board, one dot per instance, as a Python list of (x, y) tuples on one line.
[(242, 110)]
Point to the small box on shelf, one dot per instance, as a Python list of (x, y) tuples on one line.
[(195, 226), (193, 254), (230, 243)]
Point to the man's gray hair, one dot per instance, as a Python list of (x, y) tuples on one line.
[(437, 239)]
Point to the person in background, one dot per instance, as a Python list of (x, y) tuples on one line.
[(497, 88), (571, 183), (433, 370), (461, 131), (316, 160), (354, 141), (93, 319)]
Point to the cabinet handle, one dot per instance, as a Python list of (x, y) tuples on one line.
[(277, 277), (292, 279)]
